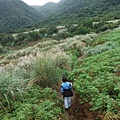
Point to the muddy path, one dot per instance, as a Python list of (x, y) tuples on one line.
[(81, 111)]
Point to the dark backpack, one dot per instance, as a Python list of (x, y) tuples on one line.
[(67, 93)]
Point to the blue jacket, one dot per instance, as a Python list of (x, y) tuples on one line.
[(66, 86)]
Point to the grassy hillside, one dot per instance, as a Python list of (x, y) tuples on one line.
[(87, 52), (97, 77), (30, 77)]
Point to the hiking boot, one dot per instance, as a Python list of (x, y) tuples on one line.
[(66, 109)]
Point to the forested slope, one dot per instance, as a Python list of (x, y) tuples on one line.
[(72, 11), (15, 14)]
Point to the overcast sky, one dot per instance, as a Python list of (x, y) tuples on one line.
[(39, 2)]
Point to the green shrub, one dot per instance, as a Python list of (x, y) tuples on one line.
[(96, 79), (110, 36), (34, 36), (51, 30), (48, 111), (21, 39), (82, 30), (62, 35), (7, 40), (100, 48), (22, 99), (42, 32), (2, 49), (48, 70), (37, 103), (103, 28)]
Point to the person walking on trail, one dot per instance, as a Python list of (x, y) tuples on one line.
[(66, 91)]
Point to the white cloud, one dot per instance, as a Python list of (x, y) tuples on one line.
[(39, 2)]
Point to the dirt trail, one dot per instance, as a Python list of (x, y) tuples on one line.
[(80, 111)]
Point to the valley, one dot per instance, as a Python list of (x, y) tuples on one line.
[(83, 46)]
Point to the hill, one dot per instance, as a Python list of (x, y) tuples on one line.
[(27, 76), (46, 9), (15, 14), (88, 54), (72, 11)]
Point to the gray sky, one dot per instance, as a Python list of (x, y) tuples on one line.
[(39, 2)]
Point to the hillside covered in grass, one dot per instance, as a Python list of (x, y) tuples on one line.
[(79, 39), (97, 77), (30, 78)]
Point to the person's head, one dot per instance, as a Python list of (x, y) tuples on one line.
[(64, 79)]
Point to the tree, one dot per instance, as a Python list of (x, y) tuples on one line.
[(82, 30), (34, 35), (7, 40), (2, 49), (87, 23), (42, 32), (62, 35), (51, 30)]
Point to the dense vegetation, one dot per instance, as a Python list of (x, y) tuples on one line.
[(30, 77), (57, 33), (73, 11), (97, 77), (87, 52), (15, 14)]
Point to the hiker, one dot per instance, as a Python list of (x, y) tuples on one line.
[(66, 91)]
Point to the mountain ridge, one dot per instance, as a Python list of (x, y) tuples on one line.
[(67, 11), (47, 8), (15, 14)]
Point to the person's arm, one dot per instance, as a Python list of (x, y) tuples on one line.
[(62, 90), (70, 85)]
